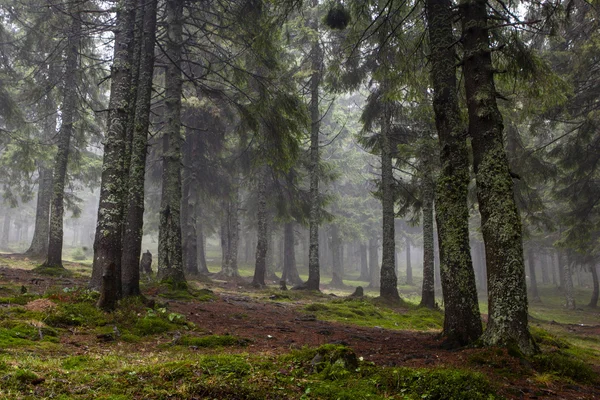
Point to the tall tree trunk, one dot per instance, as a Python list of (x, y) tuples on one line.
[(337, 268), (364, 266), (39, 243), (262, 244), (409, 275), (533, 289), (462, 322), (544, 269), (134, 222), (233, 228), (594, 300), (223, 236), (290, 271), (170, 257), (189, 209), (374, 263), (5, 230), (314, 277), (428, 291), (567, 279), (500, 220), (107, 241), (68, 115), (389, 282), (202, 266)]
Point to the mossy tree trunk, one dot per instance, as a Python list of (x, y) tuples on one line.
[(134, 222), (314, 277), (68, 116), (428, 289), (500, 219), (262, 245), (462, 322), (388, 288), (107, 241), (170, 257)]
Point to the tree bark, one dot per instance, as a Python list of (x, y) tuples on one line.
[(107, 242), (389, 282), (314, 277), (428, 290), (409, 275), (290, 271), (500, 219), (564, 266), (134, 222), (337, 268), (533, 289), (233, 229), (594, 300), (189, 206), (462, 322), (262, 244), (364, 266), (68, 115), (6, 230), (374, 263), (202, 266), (39, 242), (170, 257)]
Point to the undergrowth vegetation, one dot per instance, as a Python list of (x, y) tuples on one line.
[(55, 343)]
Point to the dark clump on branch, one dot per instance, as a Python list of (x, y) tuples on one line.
[(338, 17)]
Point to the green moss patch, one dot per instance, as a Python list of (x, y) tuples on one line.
[(364, 312)]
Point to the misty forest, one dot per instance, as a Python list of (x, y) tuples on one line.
[(286, 199)]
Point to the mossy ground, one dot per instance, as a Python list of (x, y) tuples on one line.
[(71, 350)]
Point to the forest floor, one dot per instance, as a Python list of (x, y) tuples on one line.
[(227, 340)]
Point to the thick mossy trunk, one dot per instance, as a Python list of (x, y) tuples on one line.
[(68, 116), (170, 257), (314, 277), (388, 288), (533, 288), (134, 222), (462, 322), (337, 267), (428, 290), (594, 300), (290, 270), (500, 220), (39, 242), (260, 267), (107, 241)]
